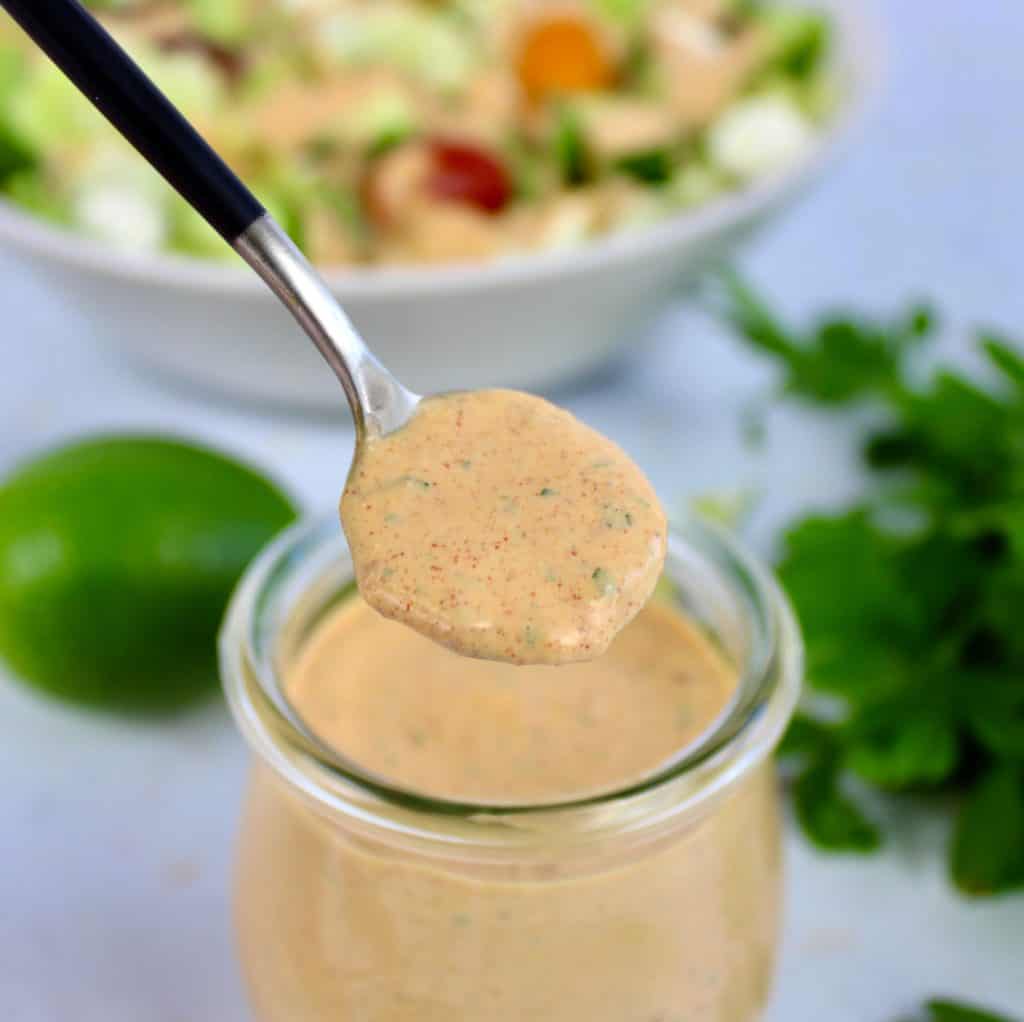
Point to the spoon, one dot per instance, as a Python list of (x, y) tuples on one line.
[(77, 43)]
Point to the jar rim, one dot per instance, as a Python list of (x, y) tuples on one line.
[(742, 735)]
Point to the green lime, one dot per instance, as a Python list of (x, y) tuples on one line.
[(117, 558)]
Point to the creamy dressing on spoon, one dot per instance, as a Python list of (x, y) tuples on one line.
[(502, 527)]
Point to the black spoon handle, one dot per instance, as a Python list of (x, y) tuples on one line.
[(77, 43)]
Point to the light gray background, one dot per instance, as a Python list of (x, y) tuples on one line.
[(115, 840)]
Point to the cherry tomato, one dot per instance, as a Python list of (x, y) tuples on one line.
[(435, 169), (461, 172), (563, 54)]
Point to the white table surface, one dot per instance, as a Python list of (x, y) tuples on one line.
[(115, 839)]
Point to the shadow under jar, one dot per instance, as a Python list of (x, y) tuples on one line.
[(360, 901)]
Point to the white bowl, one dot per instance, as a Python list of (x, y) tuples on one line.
[(533, 322)]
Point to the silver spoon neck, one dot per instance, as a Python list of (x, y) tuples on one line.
[(379, 403)]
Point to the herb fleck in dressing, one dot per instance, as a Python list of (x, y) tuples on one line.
[(502, 527)]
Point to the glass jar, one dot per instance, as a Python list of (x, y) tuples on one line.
[(360, 902)]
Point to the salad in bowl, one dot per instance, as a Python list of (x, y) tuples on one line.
[(385, 132)]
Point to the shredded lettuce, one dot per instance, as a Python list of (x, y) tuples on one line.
[(627, 13), (224, 21), (385, 119), (34, 193), (799, 39), (422, 43), (121, 200), (694, 184), (49, 114), (187, 78), (190, 234)]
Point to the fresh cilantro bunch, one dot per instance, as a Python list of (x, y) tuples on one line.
[(912, 600)]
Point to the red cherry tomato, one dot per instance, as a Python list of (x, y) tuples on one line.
[(461, 172)]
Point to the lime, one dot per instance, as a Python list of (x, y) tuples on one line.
[(117, 558)]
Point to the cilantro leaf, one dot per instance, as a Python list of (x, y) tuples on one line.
[(830, 818), (988, 842), (894, 750), (570, 148), (807, 738), (853, 632), (941, 1010), (995, 715), (955, 434), (842, 358), (1002, 355)]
